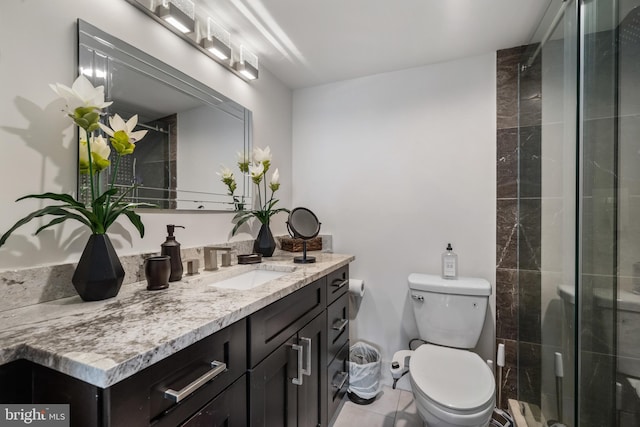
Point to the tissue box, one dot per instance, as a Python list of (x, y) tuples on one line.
[(295, 245)]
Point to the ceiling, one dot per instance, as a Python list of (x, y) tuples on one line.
[(312, 42)]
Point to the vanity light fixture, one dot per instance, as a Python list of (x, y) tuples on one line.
[(217, 41), (180, 17), (248, 64), (178, 13)]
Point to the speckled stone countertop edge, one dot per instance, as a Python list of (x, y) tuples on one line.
[(104, 342)]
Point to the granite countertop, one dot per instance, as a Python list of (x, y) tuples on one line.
[(104, 342)]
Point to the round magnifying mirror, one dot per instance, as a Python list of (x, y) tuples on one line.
[(303, 224)]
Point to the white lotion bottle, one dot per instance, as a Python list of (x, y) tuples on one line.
[(449, 263)]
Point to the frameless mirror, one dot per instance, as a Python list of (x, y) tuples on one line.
[(303, 224), (192, 129)]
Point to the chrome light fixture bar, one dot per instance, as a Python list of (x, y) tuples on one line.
[(179, 17), (217, 41), (178, 13), (248, 64)]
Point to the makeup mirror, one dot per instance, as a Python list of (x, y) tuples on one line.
[(303, 224)]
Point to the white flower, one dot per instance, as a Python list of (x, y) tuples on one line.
[(100, 152), (118, 124), (81, 94), (275, 181), (243, 161), (262, 156), (123, 138), (257, 171), (225, 173), (242, 157)]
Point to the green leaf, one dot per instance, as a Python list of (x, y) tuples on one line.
[(54, 196), (135, 220), (241, 214), (68, 215), (239, 224), (49, 210), (118, 209)]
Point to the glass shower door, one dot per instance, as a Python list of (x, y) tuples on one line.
[(547, 212)]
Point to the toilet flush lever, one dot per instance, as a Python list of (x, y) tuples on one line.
[(417, 297)]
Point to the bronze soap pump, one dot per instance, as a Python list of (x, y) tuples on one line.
[(172, 248)]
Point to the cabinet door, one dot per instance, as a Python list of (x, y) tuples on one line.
[(228, 409), (273, 395), (275, 323), (312, 394)]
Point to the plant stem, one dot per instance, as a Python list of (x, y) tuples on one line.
[(93, 195), (113, 180)]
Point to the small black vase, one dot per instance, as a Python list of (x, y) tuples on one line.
[(99, 273), (264, 244)]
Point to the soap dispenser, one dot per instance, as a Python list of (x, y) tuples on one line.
[(172, 248), (449, 264)]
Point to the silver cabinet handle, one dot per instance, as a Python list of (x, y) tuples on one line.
[(307, 342), (339, 283), (298, 380), (339, 325), (176, 396), (345, 377)]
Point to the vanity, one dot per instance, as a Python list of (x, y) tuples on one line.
[(194, 354)]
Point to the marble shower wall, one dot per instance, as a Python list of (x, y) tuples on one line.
[(518, 241)]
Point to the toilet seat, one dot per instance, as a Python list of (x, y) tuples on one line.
[(457, 381)]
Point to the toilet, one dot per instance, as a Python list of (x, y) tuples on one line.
[(451, 385)]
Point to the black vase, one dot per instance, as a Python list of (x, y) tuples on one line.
[(99, 273), (264, 244)]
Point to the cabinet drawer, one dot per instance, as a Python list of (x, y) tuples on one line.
[(274, 324), (337, 283), (337, 325), (338, 375), (140, 399), (228, 409)]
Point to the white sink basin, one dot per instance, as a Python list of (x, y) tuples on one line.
[(249, 280)]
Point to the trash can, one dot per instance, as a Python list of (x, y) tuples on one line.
[(364, 373)]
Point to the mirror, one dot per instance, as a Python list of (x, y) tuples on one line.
[(303, 224), (192, 129)]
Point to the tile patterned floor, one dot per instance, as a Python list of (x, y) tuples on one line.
[(392, 408)]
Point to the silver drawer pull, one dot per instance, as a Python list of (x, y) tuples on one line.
[(176, 396), (339, 325), (339, 283), (342, 382), (298, 349), (307, 342)]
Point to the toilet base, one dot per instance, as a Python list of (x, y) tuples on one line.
[(430, 420), (359, 400)]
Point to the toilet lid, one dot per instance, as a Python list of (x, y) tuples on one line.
[(453, 378)]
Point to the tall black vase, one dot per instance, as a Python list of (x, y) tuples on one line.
[(99, 273), (264, 244)]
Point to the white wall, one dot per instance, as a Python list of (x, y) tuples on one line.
[(397, 165), (37, 47)]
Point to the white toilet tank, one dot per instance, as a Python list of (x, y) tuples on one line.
[(449, 312)]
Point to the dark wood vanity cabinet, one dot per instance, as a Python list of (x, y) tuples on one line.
[(144, 399), (337, 339), (171, 391), (288, 350), (299, 374), (284, 365), (288, 388)]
